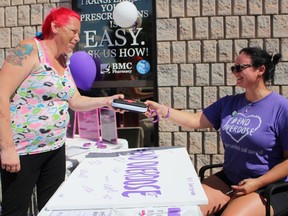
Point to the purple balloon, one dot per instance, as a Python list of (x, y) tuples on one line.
[(99, 76), (83, 69)]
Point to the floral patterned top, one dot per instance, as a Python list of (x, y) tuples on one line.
[(39, 108)]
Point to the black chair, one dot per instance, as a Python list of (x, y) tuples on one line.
[(268, 193)]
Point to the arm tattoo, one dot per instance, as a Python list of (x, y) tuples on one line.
[(20, 53)]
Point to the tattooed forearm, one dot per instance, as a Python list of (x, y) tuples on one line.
[(20, 53)]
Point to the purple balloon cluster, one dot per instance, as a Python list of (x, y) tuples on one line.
[(83, 69)]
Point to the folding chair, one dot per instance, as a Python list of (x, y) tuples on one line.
[(268, 193)]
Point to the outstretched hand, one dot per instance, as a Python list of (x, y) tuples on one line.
[(153, 110), (111, 98), (152, 105), (156, 111)]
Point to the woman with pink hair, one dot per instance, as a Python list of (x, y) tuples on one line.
[(36, 90)]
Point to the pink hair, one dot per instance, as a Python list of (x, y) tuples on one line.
[(61, 16)]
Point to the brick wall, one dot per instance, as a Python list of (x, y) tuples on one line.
[(197, 41)]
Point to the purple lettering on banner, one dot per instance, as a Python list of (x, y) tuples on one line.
[(141, 186), (174, 212), (142, 174), (143, 193), (137, 177), (140, 181), (142, 164), (143, 155), (147, 170)]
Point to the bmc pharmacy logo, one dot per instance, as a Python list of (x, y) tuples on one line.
[(105, 69)]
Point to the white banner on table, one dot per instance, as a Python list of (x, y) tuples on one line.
[(152, 211), (135, 179)]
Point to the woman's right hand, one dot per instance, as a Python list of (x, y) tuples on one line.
[(152, 105), (10, 160)]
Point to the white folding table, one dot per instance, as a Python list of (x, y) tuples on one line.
[(150, 181)]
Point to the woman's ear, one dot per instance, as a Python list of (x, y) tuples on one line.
[(54, 27), (262, 69)]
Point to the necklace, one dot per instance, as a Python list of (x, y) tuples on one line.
[(244, 109)]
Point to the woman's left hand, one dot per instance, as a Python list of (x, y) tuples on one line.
[(246, 186), (110, 100)]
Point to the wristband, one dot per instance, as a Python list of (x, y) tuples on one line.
[(168, 113)]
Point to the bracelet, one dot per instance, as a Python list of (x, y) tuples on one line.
[(155, 118), (168, 113)]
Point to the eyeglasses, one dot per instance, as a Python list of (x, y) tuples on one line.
[(240, 67)]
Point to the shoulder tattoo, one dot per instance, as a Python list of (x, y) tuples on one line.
[(19, 54)]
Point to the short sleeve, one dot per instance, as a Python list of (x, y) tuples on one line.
[(214, 112), (282, 128)]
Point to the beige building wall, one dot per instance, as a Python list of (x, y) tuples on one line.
[(197, 41)]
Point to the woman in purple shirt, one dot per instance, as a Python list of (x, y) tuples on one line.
[(254, 132)]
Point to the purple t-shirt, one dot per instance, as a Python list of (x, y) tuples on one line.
[(254, 135)]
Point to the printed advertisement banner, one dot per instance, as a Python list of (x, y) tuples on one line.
[(126, 54)]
